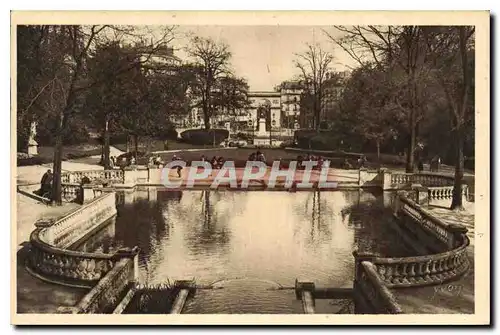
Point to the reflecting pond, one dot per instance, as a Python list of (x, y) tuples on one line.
[(250, 243)]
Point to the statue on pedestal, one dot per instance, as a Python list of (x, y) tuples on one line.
[(32, 143)]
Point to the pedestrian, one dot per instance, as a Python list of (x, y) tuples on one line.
[(213, 162), (320, 162), (45, 182), (179, 168), (420, 166)]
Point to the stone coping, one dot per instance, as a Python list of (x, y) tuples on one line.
[(58, 264)]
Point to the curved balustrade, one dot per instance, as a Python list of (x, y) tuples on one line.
[(423, 270), (450, 235), (61, 264), (50, 257), (69, 228)]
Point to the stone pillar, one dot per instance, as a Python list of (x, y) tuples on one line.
[(302, 285), (155, 175), (457, 231), (358, 258), (421, 194), (128, 197), (130, 176), (153, 194), (87, 193), (386, 179)]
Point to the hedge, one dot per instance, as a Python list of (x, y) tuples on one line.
[(35, 160), (204, 136)]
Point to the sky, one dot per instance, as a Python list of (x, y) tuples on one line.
[(264, 55)]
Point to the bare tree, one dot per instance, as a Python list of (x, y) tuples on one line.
[(400, 49), (314, 65), (211, 62), (451, 50), (69, 48)]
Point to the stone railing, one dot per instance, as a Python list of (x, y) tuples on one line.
[(107, 293), (65, 231), (112, 176), (450, 235), (420, 270), (423, 270), (404, 179), (445, 192), (370, 293), (71, 192), (50, 257)]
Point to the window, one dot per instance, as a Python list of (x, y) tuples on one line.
[(294, 99)]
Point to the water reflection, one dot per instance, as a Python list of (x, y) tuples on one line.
[(274, 236)]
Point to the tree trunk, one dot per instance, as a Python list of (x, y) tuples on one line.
[(206, 119), (127, 143), (378, 152), (410, 157), (136, 143), (57, 165), (106, 147), (456, 202)]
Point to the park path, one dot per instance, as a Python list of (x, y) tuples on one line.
[(32, 174), (34, 295)]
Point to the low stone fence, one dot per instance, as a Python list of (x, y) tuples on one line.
[(403, 180), (114, 176), (50, 256), (445, 193), (425, 226), (111, 289), (370, 293), (423, 270)]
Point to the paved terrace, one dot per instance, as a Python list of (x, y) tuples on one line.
[(456, 297), (33, 294)]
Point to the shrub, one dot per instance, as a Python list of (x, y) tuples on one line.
[(204, 136), (35, 160)]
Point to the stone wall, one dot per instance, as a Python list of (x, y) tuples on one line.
[(51, 257)]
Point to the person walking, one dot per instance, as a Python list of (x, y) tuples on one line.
[(420, 166)]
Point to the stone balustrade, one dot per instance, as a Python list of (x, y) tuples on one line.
[(50, 255), (70, 228), (451, 235), (71, 192), (432, 269), (406, 179), (371, 294), (106, 294), (114, 176), (445, 192)]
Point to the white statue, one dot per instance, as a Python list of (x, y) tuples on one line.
[(32, 143)]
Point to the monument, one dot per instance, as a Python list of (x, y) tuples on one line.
[(32, 143), (262, 127)]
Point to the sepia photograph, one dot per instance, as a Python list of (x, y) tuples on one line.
[(197, 168)]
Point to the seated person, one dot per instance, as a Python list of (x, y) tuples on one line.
[(346, 165)]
